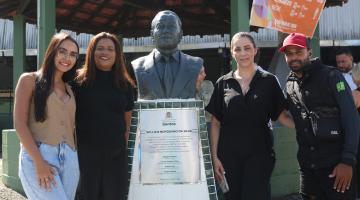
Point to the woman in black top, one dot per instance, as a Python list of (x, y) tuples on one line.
[(104, 100), (242, 105)]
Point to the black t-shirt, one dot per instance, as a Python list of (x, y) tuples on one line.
[(100, 112), (245, 119)]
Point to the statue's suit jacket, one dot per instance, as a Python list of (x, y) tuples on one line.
[(148, 81)]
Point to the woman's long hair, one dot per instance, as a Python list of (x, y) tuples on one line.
[(45, 78), (86, 75)]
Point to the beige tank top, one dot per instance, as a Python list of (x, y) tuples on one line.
[(59, 125)]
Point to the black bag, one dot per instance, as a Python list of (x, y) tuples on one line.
[(328, 128), (325, 121)]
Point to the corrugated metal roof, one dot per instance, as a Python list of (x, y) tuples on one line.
[(341, 23)]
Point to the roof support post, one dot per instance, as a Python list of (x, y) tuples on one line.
[(46, 11), (239, 18), (315, 43), (19, 56)]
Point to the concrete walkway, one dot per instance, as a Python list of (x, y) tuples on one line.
[(7, 193)]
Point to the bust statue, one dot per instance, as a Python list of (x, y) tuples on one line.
[(166, 72)]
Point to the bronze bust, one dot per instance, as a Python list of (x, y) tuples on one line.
[(166, 72)]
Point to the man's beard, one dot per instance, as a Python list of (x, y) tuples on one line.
[(300, 65), (345, 70)]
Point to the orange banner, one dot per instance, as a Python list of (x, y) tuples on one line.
[(287, 16)]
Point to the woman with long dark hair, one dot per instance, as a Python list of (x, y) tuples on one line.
[(44, 119), (104, 97)]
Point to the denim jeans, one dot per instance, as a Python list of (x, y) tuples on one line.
[(65, 162)]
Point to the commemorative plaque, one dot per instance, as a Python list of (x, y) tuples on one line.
[(169, 153)]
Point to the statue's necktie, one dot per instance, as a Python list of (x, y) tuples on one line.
[(168, 78)]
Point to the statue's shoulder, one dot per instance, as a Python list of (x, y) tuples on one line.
[(143, 62), (192, 59), (139, 62)]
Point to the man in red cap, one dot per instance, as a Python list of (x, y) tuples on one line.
[(327, 124)]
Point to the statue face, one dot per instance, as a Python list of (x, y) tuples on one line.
[(166, 32)]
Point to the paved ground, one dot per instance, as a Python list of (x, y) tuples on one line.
[(7, 193)]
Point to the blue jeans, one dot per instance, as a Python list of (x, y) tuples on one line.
[(65, 162)]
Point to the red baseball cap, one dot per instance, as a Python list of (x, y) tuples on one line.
[(295, 39)]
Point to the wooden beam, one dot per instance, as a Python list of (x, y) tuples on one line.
[(98, 9), (7, 7), (31, 11), (77, 7), (23, 5), (220, 8), (195, 18), (118, 16), (124, 17)]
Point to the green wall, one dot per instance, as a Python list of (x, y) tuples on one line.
[(285, 177), (10, 162), (5, 105)]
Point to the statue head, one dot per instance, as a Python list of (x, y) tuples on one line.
[(166, 31)]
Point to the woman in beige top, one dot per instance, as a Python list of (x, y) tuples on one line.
[(44, 119)]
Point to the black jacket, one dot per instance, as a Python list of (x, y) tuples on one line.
[(322, 89)]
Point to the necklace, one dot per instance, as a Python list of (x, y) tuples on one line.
[(244, 81)]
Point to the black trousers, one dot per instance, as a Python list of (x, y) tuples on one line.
[(316, 185), (248, 177), (357, 174), (103, 174)]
